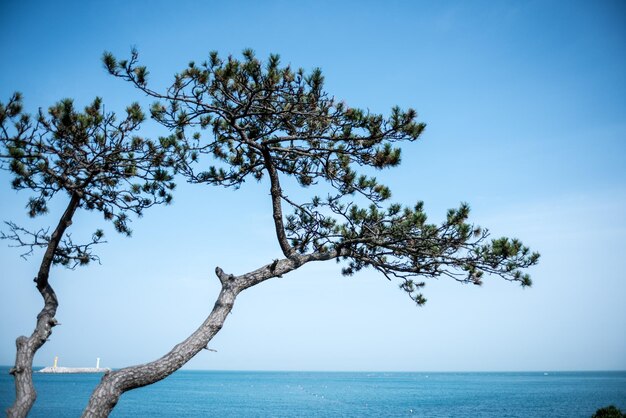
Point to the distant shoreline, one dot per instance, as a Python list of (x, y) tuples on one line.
[(67, 370)]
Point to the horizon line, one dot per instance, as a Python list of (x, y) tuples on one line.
[(380, 371)]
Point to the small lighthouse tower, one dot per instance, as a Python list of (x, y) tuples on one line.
[(97, 362), (56, 360)]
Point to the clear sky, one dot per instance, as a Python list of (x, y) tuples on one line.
[(525, 104)]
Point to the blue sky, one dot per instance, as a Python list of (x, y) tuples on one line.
[(525, 104)]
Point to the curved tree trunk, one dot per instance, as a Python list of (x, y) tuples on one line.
[(114, 384), (22, 372)]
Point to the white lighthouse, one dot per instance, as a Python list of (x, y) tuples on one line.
[(97, 362)]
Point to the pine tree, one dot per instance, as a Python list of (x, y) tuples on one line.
[(240, 119), (96, 163)]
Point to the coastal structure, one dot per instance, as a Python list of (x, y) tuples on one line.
[(56, 369)]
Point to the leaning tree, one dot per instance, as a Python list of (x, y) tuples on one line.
[(96, 163), (254, 120)]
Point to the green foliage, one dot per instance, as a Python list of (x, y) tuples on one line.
[(88, 154), (248, 108), (400, 244), (254, 119), (608, 412)]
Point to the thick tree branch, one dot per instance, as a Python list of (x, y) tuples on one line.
[(114, 384)]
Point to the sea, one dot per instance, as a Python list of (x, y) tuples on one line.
[(338, 394)]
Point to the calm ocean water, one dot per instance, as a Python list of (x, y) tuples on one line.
[(338, 394)]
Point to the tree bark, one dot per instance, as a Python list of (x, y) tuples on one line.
[(277, 211), (22, 372), (114, 384)]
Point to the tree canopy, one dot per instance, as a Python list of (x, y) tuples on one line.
[(97, 163), (89, 154), (255, 119)]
